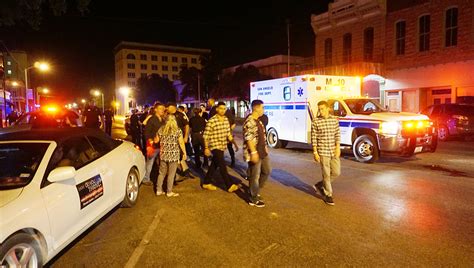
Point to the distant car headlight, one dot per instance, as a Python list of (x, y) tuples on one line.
[(390, 128)]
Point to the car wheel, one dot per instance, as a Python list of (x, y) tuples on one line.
[(131, 189), (365, 149), (443, 133), (21, 250), (273, 140)]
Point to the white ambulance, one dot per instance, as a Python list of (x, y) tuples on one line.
[(366, 127)]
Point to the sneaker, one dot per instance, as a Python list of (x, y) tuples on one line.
[(328, 200), (233, 188), (318, 187), (158, 193), (258, 204), (171, 194), (209, 187), (147, 183), (260, 198)]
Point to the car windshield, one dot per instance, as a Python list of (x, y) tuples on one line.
[(19, 162), (364, 106)]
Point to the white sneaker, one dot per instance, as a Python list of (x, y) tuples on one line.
[(171, 194), (159, 193)]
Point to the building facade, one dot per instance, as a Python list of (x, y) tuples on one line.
[(14, 64), (134, 60), (411, 53)]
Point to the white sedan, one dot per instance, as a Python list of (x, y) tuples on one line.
[(55, 184)]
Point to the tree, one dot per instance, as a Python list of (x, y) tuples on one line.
[(237, 84), (155, 88), (190, 78), (31, 11)]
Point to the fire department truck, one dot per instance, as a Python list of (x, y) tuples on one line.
[(366, 127)]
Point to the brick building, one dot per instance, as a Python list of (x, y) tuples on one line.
[(411, 53)]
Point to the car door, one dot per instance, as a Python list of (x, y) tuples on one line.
[(75, 203)]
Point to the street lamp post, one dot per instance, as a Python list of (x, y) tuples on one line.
[(42, 66), (98, 93)]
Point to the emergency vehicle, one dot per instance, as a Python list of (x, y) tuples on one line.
[(366, 127)]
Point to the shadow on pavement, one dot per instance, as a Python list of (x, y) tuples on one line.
[(291, 180)]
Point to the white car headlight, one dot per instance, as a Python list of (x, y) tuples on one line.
[(390, 128)]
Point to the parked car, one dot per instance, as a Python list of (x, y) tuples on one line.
[(55, 184), (453, 120)]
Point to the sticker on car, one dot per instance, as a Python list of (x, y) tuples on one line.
[(90, 190)]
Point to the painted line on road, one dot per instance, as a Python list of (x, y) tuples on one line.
[(137, 253)]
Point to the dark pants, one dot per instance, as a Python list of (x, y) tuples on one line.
[(189, 149), (218, 162), (231, 152), (108, 127), (136, 137), (198, 145), (259, 173)]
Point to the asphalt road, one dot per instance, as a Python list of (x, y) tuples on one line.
[(397, 212)]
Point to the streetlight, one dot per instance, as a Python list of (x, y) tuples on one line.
[(83, 101), (45, 90), (42, 66), (125, 92), (98, 93)]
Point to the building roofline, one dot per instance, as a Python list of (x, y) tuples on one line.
[(159, 47)]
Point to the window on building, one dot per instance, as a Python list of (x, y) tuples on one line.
[(131, 75), (164, 58), (194, 61), (154, 67), (131, 65), (142, 57), (9, 71), (174, 59), (328, 52), (369, 44), (154, 58), (175, 77), (9, 63), (451, 25), (130, 56), (165, 76), (143, 75), (424, 29), (184, 60), (131, 83), (400, 33), (143, 66), (164, 68), (174, 68), (347, 47)]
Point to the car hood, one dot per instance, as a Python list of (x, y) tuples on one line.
[(7, 196), (388, 116)]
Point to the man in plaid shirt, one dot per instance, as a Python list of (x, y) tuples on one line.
[(216, 136), (326, 139)]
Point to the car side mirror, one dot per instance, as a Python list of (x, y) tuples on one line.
[(62, 174)]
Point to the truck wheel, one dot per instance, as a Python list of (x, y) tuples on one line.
[(365, 149), (273, 140), (443, 133), (131, 189), (21, 250)]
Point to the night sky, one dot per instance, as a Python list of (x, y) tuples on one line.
[(80, 47)]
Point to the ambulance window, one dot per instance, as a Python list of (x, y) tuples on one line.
[(337, 108), (287, 93)]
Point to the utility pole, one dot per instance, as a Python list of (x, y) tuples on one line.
[(288, 38)]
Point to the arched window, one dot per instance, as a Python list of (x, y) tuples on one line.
[(424, 27), (130, 56), (369, 44), (400, 34), (451, 27)]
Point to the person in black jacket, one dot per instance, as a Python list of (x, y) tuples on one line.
[(152, 124), (230, 113), (197, 123)]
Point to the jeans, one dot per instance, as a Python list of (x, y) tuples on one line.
[(166, 168), (149, 164), (259, 174), (330, 168), (218, 162)]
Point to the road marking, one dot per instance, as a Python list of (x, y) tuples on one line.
[(137, 253)]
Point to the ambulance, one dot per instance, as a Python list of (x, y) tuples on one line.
[(367, 129)]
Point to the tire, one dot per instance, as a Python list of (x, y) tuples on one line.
[(131, 189), (274, 141), (443, 133), (365, 149), (21, 250)]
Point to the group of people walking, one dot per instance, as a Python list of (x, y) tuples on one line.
[(170, 137)]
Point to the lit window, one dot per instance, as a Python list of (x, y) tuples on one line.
[(451, 24), (9, 63), (9, 71)]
